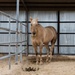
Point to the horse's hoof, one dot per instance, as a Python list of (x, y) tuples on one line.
[(37, 63), (41, 63), (47, 60)]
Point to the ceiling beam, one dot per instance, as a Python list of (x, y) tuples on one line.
[(50, 2)]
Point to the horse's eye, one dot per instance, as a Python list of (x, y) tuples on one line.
[(31, 24)]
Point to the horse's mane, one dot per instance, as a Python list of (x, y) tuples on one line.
[(39, 25)]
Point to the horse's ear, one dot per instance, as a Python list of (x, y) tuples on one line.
[(30, 18)]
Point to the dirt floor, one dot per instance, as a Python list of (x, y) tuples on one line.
[(60, 65)]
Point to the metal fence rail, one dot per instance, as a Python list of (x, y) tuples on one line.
[(21, 41)]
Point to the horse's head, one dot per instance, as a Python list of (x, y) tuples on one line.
[(34, 23)]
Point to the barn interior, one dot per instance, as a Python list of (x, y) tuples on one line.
[(58, 13), (41, 5)]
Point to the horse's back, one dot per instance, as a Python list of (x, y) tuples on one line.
[(52, 29)]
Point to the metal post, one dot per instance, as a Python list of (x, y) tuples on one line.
[(27, 50), (9, 44), (26, 36), (21, 42), (17, 17), (58, 28)]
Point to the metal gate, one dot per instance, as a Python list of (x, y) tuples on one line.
[(20, 30)]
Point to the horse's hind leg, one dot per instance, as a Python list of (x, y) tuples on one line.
[(41, 46), (48, 51), (51, 49)]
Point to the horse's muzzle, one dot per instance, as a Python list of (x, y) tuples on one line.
[(34, 33)]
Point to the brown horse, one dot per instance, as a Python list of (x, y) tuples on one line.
[(42, 36)]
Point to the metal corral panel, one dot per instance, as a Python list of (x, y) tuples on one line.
[(4, 36)]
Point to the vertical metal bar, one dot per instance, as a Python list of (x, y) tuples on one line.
[(26, 36), (9, 44), (21, 42), (58, 28), (17, 17), (27, 50)]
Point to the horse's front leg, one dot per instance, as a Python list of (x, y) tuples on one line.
[(41, 46), (35, 48)]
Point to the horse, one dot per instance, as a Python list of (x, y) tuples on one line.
[(41, 36)]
